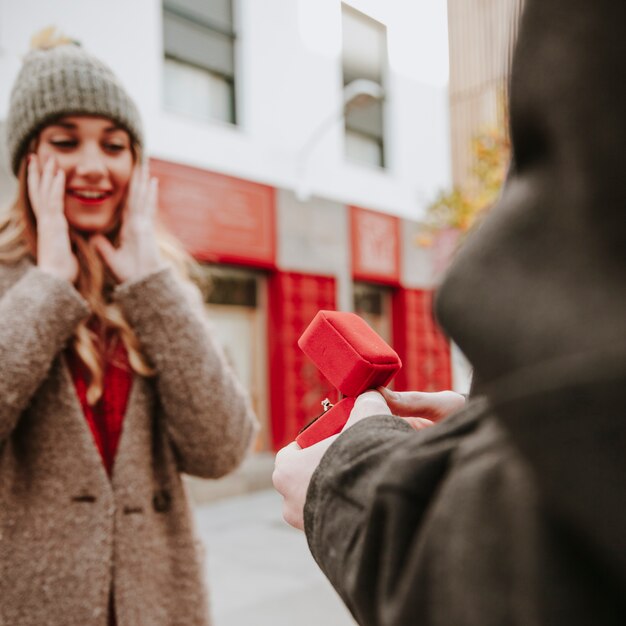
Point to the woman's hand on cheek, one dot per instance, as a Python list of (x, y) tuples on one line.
[(46, 192), (138, 253)]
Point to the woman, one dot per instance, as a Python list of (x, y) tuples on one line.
[(110, 382)]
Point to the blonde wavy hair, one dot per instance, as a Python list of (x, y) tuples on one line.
[(95, 283)]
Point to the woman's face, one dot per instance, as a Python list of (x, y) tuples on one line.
[(97, 159)]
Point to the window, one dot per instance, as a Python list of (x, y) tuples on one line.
[(373, 304), (364, 57), (199, 67)]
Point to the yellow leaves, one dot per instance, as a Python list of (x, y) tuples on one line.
[(425, 239), (461, 207)]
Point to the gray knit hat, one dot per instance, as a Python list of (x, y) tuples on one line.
[(64, 80)]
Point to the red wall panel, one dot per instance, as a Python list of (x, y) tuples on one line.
[(296, 386), (218, 218), (375, 239), (423, 348)]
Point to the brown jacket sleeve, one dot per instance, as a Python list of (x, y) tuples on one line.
[(207, 412), (38, 314)]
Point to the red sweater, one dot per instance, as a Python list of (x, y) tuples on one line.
[(106, 416)]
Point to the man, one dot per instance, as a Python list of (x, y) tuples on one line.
[(512, 510)]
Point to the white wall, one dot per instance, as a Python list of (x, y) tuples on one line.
[(289, 82), (313, 238)]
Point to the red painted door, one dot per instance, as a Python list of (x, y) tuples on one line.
[(296, 386), (423, 348)]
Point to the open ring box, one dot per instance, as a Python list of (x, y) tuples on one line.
[(353, 357)]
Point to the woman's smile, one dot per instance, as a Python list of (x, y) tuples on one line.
[(90, 196)]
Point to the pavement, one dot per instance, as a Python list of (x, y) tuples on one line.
[(259, 570)]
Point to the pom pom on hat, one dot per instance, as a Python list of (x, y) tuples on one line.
[(50, 37)]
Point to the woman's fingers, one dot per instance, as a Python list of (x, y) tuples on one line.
[(103, 246), (434, 406), (49, 170), (57, 193), (107, 251), (138, 252), (46, 191), (152, 197), (140, 190), (130, 203), (133, 189), (33, 179), (139, 195), (46, 188), (145, 178)]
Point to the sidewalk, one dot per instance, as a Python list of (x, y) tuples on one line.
[(259, 569)]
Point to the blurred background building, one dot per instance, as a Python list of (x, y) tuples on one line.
[(482, 35), (297, 143)]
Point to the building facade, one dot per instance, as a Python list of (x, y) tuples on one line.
[(482, 35), (296, 154)]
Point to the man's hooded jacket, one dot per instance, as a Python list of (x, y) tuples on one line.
[(514, 510)]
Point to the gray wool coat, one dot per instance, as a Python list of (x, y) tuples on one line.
[(69, 534), (512, 512)]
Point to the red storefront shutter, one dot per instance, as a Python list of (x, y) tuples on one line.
[(218, 218), (296, 386), (375, 241), (423, 348)]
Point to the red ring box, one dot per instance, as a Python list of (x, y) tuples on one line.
[(353, 357)]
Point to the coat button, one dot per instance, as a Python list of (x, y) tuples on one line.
[(84, 498), (162, 501), (130, 510)]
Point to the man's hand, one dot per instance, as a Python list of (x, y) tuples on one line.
[(294, 466), (419, 409), (429, 407), (293, 469)]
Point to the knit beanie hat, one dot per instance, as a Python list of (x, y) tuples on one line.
[(63, 79)]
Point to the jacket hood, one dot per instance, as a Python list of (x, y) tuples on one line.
[(543, 278)]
